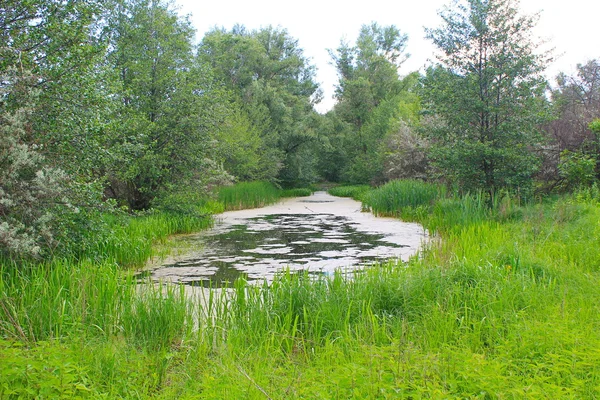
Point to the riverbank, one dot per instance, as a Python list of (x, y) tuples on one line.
[(504, 306)]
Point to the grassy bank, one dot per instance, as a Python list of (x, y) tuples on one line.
[(505, 305), (255, 194), (354, 191)]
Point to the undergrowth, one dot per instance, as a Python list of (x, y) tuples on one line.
[(354, 191), (503, 305)]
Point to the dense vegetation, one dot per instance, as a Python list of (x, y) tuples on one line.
[(513, 316), (117, 130), (108, 106)]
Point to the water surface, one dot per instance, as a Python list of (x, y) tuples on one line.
[(320, 234)]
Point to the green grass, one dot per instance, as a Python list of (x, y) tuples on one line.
[(132, 240), (354, 191), (255, 194), (296, 192), (503, 305), (399, 197), (248, 195)]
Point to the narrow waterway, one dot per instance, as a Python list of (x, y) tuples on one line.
[(319, 234)]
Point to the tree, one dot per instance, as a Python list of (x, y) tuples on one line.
[(489, 91), (50, 113), (57, 42), (274, 84), (576, 101), (29, 189), (371, 100), (164, 102), (368, 71)]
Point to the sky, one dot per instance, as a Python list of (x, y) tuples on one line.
[(570, 27)]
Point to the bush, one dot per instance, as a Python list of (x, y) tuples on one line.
[(577, 169)]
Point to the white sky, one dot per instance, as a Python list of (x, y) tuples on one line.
[(571, 27)]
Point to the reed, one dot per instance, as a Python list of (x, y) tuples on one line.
[(130, 241), (503, 306), (159, 317), (248, 195), (296, 192), (354, 191), (411, 197), (60, 299)]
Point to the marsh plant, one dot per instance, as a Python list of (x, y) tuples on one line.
[(511, 315)]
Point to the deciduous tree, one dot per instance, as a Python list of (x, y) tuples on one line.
[(372, 99), (489, 90), (274, 84)]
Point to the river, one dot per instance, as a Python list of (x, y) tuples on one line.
[(320, 234)]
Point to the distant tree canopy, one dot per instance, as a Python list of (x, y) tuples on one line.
[(488, 89), (273, 85), (372, 100)]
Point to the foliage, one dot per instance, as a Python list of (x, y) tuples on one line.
[(443, 324), (49, 117), (396, 197), (368, 71), (55, 44), (576, 102), (110, 98), (577, 169), (42, 207), (372, 99), (489, 91), (595, 126), (274, 84), (242, 150), (28, 187), (405, 154), (354, 191), (160, 123), (296, 192)]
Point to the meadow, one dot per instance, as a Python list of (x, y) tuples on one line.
[(503, 303)]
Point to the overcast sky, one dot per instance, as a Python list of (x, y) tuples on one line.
[(571, 27)]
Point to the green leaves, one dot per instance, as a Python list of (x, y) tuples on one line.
[(489, 92), (164, 104), (595, 126), (371, 100), (272, 89)]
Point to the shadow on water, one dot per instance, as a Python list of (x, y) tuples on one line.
[(265, 245)]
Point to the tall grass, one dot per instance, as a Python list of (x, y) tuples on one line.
[(58, 299), (503, 306), (354, 191), (296, 192), (131, 241), (248, 195), (396, 197)]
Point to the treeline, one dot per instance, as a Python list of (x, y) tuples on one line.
[(114, 105)]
